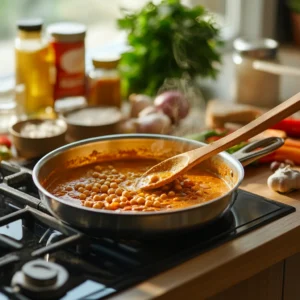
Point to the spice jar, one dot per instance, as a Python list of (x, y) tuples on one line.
[(252, 86), (33, 68), (67, 41), (104, 84)]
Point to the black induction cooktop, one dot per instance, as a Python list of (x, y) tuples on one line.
[(97, 268)]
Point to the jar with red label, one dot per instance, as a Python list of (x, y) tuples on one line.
[(67, 41)]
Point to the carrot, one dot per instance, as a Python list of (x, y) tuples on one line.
[(283, 153), (292, 143)]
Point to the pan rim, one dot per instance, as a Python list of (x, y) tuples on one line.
[(52, 154)]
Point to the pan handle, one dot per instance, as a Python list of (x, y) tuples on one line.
[(257, 149)]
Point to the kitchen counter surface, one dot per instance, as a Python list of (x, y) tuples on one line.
[(218, 269)]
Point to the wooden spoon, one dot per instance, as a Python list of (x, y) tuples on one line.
[(169, 169)]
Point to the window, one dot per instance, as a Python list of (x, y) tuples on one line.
[(236, 17)]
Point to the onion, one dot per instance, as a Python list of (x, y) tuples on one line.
[(154, 123), (138, 103), (129, 126), (148, 111), (174, 104)]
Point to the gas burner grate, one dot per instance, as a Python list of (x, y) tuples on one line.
[(58, 236)]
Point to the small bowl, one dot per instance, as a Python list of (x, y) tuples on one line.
[(35, 147), (92, 121)]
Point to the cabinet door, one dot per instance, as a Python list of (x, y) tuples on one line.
[(291, 290), (266, 285)]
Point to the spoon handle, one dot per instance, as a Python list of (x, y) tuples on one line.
[(263, 122)]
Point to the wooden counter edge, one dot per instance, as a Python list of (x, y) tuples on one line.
[(232, 262)]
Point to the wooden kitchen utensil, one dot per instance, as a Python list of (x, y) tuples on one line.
[(171, 168)]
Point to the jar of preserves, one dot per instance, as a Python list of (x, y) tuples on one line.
[(104, 84), (34, 66), (67, 42), (254, 86)]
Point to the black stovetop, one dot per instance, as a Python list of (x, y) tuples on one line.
[(97, 268)]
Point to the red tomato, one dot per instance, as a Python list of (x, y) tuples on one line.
[(4, 140)]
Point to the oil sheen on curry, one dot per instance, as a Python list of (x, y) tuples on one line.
[(111, 186)]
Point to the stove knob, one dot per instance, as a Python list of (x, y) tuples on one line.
[(40, 279), (40, 273)]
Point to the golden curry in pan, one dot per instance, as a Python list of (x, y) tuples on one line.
[(111, 186)]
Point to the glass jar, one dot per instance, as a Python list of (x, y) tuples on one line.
[(252, 86), (67, 43), (104, 84), (33, 68)]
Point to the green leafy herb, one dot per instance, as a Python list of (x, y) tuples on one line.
[(168, 40)]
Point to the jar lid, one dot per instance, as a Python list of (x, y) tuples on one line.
[(30, 25), (260, 48), (67, 31), (106, 62)]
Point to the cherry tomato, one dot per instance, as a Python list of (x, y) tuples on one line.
[(4, 140)]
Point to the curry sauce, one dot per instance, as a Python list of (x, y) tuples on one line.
[(111, 186)]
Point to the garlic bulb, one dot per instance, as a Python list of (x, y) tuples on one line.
[(284, 180)]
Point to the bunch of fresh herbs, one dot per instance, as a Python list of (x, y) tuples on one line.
[(168, 40)]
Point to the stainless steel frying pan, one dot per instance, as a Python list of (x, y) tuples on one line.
[(141, 224)]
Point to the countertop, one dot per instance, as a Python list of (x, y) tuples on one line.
[(234, 261)]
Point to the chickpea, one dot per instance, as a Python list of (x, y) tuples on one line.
[(114, 206), (117, 199), (87, 192), (88, 187), (102, 176), (138, 208), (156, 203), (171, 194), (122, 204), (149, 198), (98, 168), (95, 189), (126, 194), (82, 196), (118, 180), (97, 185), (127, 208), (119, 191), (148, 203), (113, 185), (107, 183), (133, 201), (108, 199), (97, 198), (104, 188), (149, 209), (80, 189), (141, 200), (123, 198), (154, 178), (69, 188), (88, 203), (177, 187), (77, 186), (111, 191), (103, 196), (199, 193), (101, 182), (98, 205), (95, 174), (163, 196), (93, 194), (112, 196), (114, 171), (175, 199)]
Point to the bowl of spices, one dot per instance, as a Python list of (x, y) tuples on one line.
[(34, 138), (92, 121)]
